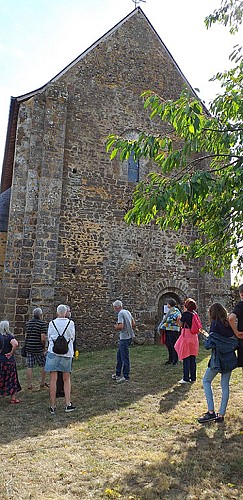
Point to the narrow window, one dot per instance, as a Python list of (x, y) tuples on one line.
[(133, 169)]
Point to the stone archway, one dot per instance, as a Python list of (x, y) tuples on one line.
[(163, 301)]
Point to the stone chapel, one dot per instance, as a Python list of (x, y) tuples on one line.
[(63, 238)]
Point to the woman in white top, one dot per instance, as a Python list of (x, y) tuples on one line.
[(60, 362)]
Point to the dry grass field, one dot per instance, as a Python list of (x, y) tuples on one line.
[(134, 441)]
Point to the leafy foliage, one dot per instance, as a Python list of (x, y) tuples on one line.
[(230, 12), (199, 182)]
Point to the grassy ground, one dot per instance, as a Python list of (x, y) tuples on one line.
[(135, 441)]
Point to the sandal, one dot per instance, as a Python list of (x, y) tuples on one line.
[(15, 401), (44, 385)]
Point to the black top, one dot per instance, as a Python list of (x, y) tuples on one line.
[(238, 311), (218, 327), (186, 319), (5, 346), (33, 331)]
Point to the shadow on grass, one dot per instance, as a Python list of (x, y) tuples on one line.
[(212, 468), (173, 396), (93, 392)]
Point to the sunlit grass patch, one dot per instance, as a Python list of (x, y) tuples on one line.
[(133, 441)]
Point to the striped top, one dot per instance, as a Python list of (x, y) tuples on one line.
[(33, 331)]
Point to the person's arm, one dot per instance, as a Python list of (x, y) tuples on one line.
[(73, 330), (120, 321), (44, 335), (232, 321), (165, 317), (119, 326), (209, 344), (43, 340), (14, 343), (50, 331), (180, 320)]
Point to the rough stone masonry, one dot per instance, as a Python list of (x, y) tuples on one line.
[(66, 240)]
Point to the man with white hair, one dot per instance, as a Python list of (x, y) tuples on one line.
[(60, 362), (35, 342), (125, 324)]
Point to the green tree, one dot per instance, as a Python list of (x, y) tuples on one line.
[(200, 183)]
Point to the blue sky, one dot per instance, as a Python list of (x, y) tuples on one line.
[(38, 38)]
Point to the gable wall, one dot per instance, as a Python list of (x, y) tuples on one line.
[(71, 244)]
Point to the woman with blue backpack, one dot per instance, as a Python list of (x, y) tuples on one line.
[(223, 360)]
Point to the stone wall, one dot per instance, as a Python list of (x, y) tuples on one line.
[(3, 240), (67, 240)]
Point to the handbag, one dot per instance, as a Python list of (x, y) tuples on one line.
[(163, 337), (187, 344)]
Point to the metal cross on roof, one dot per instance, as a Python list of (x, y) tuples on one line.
[(137, 2)]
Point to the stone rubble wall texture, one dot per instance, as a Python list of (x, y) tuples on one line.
[(67, 240), (3, 241)]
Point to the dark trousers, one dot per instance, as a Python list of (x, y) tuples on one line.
[(122, 358), (240, 352), (189, 369), (60, 384), (171, 338)]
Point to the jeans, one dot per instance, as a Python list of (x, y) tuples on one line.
[(209, 375), (171, 338), (122, 358), (189, 369)]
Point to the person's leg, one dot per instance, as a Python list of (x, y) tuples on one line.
[(169, 345), (186, 368), (210, 415), (124, 349), (60, 385), (174, 337), (225, 378), (53, 388), (30, 361), (209, 375), (43, 376), (118, 360), (29, 378), (193, 368), (40, 359), (67, 387)]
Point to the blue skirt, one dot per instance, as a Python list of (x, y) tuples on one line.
[(56, 363)]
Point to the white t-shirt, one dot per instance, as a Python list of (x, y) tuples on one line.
[(69, 334)]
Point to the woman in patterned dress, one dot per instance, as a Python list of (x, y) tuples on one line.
[(9, 383)]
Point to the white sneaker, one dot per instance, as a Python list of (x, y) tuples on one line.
[(182, 381), (114, 376), (119, 380)]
